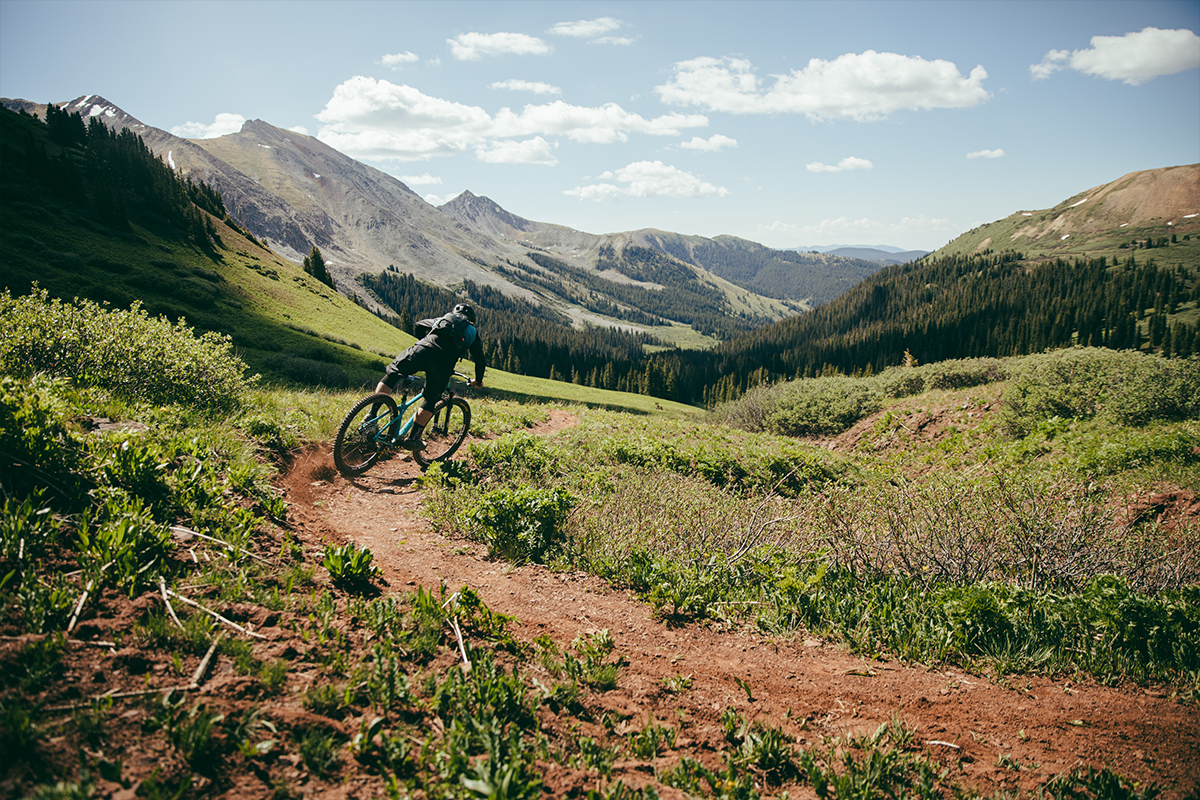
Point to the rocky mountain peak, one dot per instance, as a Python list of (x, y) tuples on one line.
[(485, 215)]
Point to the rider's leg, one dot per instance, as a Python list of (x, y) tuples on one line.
[(413, 440)]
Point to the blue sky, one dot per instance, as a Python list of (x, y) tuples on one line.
[(786, 122)]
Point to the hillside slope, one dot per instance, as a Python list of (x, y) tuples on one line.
[(1154, 203), (1116, 266), (284, 323)]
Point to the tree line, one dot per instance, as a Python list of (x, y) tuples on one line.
[(997, 304), (527, 339), (117, 177), (992, 304)]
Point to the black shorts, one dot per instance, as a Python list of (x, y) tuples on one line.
[(437, 364)]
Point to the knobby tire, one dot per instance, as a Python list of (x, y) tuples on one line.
[(446, 430), (357, 447)]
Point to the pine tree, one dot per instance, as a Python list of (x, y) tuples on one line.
[(314, 264)]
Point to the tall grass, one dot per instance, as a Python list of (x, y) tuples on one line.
[(1024, 568)]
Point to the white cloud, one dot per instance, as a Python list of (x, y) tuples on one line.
[(847, 163), (474, 46), (709, 145), (299, 129), (863, 87), (421, 180), (222, 125), (997, 153), (586, 28), (1133, 58), (536, 87), (531, 151), (439, 200), (648, 179), (599, 124), (1051, 63), (620, 40), (843, 228), (369, 118), (398, 60)]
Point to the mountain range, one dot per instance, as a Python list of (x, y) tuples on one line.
[(294, 192), (91, 213), (884, 254)]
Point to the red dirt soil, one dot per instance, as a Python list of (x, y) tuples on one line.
[(812, 689)]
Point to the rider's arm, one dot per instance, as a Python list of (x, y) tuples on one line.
[(479, 359)]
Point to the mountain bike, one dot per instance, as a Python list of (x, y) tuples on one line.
[(377, 423)]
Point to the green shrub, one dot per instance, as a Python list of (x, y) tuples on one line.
[(978, 621), (350, 567), (130, 352), (522, 524), (962, 373), (901, 381), (822, 406), (37, 446), (809, 407), (1126, 387)]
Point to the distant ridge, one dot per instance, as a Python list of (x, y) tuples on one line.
[(883, 257), (829, 248), (803, 280)]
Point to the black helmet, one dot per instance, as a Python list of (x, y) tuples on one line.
[(466, 310)]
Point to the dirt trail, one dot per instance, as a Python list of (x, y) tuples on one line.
[(813, 689)]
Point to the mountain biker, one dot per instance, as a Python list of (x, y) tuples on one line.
[(444, 340)]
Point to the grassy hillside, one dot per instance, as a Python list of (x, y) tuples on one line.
[(285, 324)]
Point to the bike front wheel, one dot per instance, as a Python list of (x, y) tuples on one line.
[(364, 434), (446, 430)]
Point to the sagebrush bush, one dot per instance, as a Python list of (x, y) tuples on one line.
[(1127, 387), (129, 352), (822, 406), (958, 373), (750, 411), (1044, 536)]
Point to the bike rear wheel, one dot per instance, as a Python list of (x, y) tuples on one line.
[(363, 434), (446, 430)]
